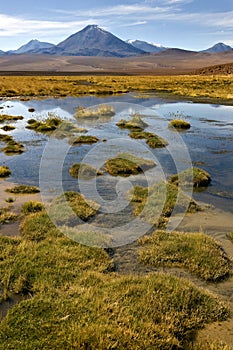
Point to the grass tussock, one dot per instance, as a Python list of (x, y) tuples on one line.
[(84, 139), (4, 171), (8, 127), (32, 207), (191, 176), (12, 147), (196, 252), (153, 140), (97, 311), (6, 117), (156, 204), (100, 111), (6, 216), (72, 207), (135, 123), (126, 164), (84, 171), (23, 189), (179, 124), (49, 125)]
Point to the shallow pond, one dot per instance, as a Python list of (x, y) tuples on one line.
[(208, 144)]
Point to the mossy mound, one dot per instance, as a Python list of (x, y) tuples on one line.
[(6, 216), (6, 117), (32, 207), (73, 295), (126, 164), (84, 171), (5, 138), (84, 139), (49, 125), (196, 252), (179, 124), (196, 176), (72, 207), (4, 171), (135, 123), (153, 140), (100, 111), (8, 127), (13, 147), (157, 203), (23, 189)]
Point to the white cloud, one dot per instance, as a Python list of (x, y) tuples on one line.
[(138, 23), (12, 26), (119, 10)]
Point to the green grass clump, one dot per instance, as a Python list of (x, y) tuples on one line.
[(4, 171), (126, 164), (156, 204), (6, 216), (13, 147), (49, 125), (84, 139), (49, 265), (179, 124), (96, 311), (196, 252), (70, 207), (6, 117), (23, 189), (8, 127), (32, 207), (100, 111), (153, 140), (135, 123), (196, 176), (10, 200), (84, 171), (5, 138), (38, 226)]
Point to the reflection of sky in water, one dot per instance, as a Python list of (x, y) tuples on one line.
[(209, 141)]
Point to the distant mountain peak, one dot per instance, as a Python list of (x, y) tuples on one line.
[(33, 46), (95, 41), (219, 47), (146, 46)]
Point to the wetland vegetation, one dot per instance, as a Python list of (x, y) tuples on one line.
[(84, 171), (218, 88), (4, 171), (126, 164), (72, 295), (196, 252)]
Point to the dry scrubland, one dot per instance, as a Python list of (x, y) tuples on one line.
[(71, 295), (197, 87)]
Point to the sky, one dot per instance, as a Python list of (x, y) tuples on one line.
[(187, 24)]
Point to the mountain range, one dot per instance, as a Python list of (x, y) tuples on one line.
[(95, 41)]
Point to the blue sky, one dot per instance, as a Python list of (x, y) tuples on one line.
[(188, 24)]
